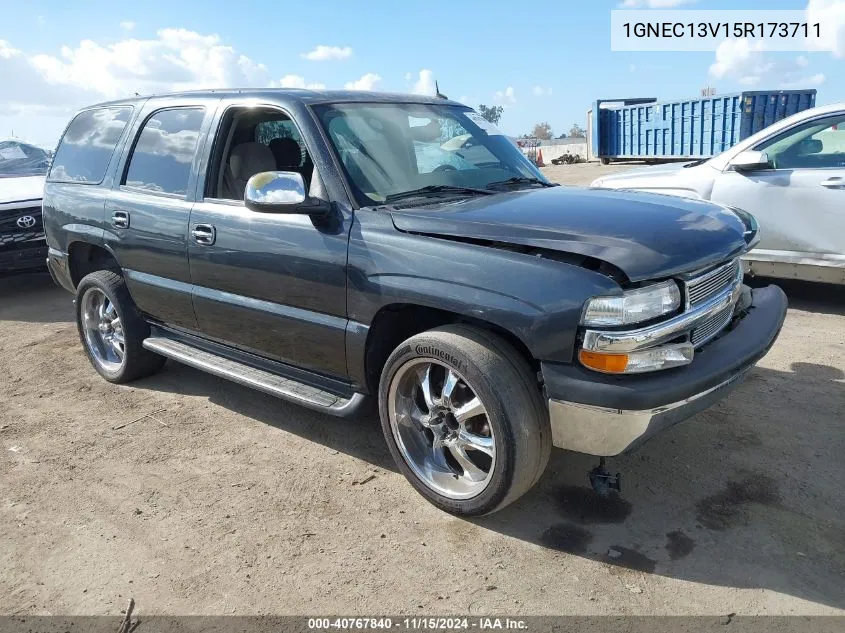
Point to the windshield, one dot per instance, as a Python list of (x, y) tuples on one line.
[(22, 159), (388, 150)]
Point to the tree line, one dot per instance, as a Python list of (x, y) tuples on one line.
[(542, 130)]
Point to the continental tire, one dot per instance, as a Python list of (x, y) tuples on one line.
[(464, 419)]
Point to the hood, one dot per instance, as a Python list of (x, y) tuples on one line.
[(642, 176), (647, 236), (19, 189)]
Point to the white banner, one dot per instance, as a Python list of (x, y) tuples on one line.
[(704, 30)]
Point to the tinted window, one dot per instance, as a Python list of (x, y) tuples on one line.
[(162, 157), (88, 144), (817, 144)]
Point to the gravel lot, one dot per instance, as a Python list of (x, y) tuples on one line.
[(197, 496)]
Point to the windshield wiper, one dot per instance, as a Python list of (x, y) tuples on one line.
[(423, 191), (520, 180)]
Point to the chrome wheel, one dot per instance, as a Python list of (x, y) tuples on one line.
[(441, 428), (102, 330)]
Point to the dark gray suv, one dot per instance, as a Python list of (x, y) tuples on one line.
[(328, 247)]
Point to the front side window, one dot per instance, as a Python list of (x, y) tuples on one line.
[(817, 144), (251, 140), (164, 152), (87, 146), (389, 149)]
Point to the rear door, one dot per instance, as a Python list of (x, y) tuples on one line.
[(270, 284), (148, 208), (82, 173), (800, 201)]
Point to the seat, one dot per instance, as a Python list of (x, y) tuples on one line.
[(287, 152), (246, 160)]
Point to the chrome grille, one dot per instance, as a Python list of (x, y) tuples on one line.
[(700, 289), (711, 327)]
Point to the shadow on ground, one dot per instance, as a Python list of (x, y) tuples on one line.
[(747, 494), (34, 298), (809, 297), (744, 495)]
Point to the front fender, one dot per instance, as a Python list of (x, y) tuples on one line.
[(537, 299)]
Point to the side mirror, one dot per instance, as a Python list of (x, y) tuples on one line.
[(750, 160), (281, 192)]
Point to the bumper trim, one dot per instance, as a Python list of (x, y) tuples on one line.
[(58, 265), (607, 432)]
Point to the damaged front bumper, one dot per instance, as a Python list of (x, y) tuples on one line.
[(606, 415)]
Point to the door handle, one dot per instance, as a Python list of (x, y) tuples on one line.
[(833, 183), (204, 234), (120, 219)]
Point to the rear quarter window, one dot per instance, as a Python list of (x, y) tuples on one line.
[(88, 144)]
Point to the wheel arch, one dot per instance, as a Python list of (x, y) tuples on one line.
[(396, 322), (85, 258)]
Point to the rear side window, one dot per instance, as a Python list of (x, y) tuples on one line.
[(86, 148), (165, 149)]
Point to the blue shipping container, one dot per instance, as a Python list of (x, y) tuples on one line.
[(696, 128)]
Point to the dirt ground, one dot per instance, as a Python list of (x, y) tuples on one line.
[(197, 496)]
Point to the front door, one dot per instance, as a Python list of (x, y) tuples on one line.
[(799, 201), (270, 284)]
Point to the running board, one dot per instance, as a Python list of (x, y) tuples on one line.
[(274, 384)]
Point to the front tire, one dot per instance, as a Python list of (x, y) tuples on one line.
[(111, 329), (464, 419)]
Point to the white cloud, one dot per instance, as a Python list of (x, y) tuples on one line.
[(178, 59), (295, 81), (127, 25), (505, 96), (40, 91), (324, 53), (424, 85), (831, 15), (749, 65), (803, 82), (746, 63), (540, 91), (7, 51), (653, 4), (367, 82)]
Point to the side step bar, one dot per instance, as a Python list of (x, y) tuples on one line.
[(274, 384)]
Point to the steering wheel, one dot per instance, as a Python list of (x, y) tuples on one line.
[(444, 168)]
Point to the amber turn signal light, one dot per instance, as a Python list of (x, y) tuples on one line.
[(610, 363)]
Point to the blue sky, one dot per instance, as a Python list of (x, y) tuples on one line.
[(544, 61)]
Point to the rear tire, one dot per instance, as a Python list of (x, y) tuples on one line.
[(475, 446), (112, 330)]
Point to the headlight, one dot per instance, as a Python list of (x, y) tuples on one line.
[(633, 306)]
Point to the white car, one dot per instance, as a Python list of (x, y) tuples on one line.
[(790, 176), (22, 244)]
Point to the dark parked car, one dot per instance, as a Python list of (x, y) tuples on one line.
[(22, 170), (289, 241)]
